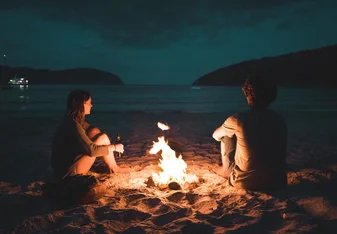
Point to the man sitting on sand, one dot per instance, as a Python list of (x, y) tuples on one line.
[(253, 143)]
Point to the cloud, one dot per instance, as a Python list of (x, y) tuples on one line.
[(156, 24), (156, 42), (13, 45)]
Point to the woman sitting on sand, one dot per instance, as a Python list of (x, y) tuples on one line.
[(253, 143), (77, 144)]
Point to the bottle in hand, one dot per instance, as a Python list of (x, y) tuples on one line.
[(118, 140)]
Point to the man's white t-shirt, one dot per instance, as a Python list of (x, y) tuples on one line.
[(260, 155)]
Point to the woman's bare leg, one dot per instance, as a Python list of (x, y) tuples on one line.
[(83, 165), (109, 160)]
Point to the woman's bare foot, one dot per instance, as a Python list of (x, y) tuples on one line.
[(119, 170), (221, 171), (125, 169), (136, 168)]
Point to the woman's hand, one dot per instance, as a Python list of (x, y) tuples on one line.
[(119, 147)]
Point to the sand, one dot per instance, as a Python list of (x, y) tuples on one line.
[(307, 205)]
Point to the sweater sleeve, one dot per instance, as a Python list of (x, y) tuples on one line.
[(230, 126), (86, 125), (89, 147)]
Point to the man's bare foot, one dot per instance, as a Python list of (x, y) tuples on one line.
[(221, 171)]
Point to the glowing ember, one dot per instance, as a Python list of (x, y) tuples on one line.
[(174, 168), (163, 126)]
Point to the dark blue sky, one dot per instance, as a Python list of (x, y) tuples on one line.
[(160, 42)]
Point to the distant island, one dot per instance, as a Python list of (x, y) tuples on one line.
[(308, 68), (68, 76)]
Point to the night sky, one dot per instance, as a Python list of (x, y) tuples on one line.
[(158, 41)]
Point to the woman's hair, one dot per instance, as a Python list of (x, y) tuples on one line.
[(259, 91), (75, 104)]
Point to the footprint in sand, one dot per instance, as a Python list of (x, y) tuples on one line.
[(205, 205), (170, 216), (133, 197), (176, 197), (197, 228), (162, 208), (192, 198), (137, 229), (123, 215), (230, 220), (145, 204)]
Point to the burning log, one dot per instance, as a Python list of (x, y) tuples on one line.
[(174, 186), (150, 183)]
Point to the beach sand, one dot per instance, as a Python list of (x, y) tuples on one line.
[(307, 205)]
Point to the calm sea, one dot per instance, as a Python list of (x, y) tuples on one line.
[(52, 99)]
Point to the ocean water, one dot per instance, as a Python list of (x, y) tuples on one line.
[(41, 99)]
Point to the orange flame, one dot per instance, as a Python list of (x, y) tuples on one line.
[(174, 168)]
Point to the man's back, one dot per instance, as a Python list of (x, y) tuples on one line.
[(261, 150)]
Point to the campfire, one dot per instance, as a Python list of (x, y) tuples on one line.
[(173, 167)]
